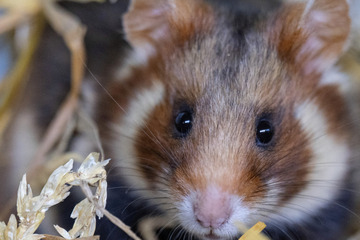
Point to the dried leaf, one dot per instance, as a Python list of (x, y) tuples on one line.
[(10, 231), (55, 186), (2, 230), (91, 172), (110, 216), (31, 210), (84, 213), (101, 194), (62, 232)]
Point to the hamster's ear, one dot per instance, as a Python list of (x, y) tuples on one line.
[(313, 35), (145, 24), (153, 24)]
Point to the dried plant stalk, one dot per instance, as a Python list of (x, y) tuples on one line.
[(254, 233), (31, 210), (110, 216), (11, 85), (73, 32)]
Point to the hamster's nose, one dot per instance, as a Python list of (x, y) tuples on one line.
[(212, 208), (211, 221)]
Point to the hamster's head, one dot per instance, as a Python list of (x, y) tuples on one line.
[(231, 118)]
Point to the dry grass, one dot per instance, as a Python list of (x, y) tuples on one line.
[(31, 210)]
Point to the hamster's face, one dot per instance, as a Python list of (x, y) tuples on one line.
[(224, 130), (227, 138)]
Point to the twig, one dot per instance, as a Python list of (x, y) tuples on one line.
[(73, 32), (15, 80), (87, 191)]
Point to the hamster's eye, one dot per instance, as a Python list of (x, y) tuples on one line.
[(183, 123), (264, 132)]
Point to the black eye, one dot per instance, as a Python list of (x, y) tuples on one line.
[(264, 132), (183, 123)]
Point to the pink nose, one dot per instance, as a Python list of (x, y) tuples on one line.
[(211, 221), (212, 208)]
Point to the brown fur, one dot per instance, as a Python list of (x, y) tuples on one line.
[(294, 38), (329, 99), (167, 25), (195, 79), (230, 71)]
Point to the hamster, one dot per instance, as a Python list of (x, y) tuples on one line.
[(216, 115), (222, 117)]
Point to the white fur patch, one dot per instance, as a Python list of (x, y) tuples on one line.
[(129, 126), (334, 76), (273, 194), (328, 165), (132, 60)]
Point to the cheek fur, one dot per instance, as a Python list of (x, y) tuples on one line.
[(328, 164), (155, 147), (128, 128)]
